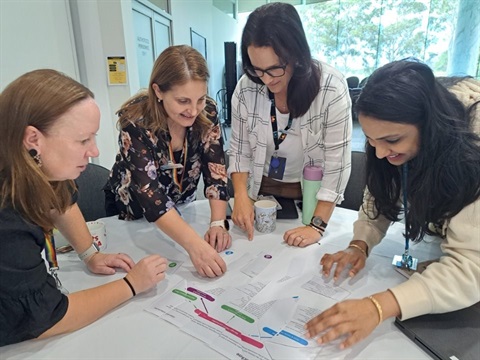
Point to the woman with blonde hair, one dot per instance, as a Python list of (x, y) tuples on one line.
[(48, 123), (169, 136)]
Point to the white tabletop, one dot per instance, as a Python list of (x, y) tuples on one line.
[(129, 332)]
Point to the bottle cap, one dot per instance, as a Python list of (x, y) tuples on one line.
[(312, 173)]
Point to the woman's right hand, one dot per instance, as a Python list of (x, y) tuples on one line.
[(351, 256), (243, 215), (147, 273), (206, 259)]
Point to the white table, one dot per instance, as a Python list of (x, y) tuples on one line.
[(129, 332)]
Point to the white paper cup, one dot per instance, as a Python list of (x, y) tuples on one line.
[(99, 233), (265, 215)]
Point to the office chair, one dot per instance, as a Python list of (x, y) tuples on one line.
[(229, 181), (91, 198), (221, 99), (356, 184), (353, 82)]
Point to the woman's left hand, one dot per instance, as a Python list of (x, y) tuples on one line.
[(301, 236), (100, 263), (354, 319), (219, 238)]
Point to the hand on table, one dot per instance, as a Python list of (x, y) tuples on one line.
[(351, 256), (243, 215), (147, 273), (218, 238), (100, 263), (206, 260), (301, 236), (354, 319)]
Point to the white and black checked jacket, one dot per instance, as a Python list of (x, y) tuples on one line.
[(326, 131)]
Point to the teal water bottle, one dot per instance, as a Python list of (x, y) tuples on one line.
[(312, 180)]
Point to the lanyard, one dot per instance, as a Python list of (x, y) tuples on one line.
[(273, 118), (51, 256), (172, 159), (406, 258)]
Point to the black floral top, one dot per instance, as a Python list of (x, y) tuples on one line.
[(143, 181)]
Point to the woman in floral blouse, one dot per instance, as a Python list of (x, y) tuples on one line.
[(169, 136)]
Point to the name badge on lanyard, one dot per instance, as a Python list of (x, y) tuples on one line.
[(172, 165), (277, 163), (405, 260)]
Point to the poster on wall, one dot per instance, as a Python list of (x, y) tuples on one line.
[(199, 43), (117, 70)]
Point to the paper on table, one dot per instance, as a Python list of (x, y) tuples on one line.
[(257, 264), (318, 285), (233, 320), (173, 266)]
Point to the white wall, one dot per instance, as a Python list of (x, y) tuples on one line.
[(34, 35), (216, 26), (39, 34)]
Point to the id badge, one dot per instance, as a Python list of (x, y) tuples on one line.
[(171, 165), (277, 167), (405, 262)]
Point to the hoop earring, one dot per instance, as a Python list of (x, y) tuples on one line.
[(35, 156)]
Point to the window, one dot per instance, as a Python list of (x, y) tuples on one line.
[(358, 36)]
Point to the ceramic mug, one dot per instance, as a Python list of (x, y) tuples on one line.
[(265, 215)]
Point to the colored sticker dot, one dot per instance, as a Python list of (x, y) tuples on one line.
[(229, 252), (268, 256), (172, 264)]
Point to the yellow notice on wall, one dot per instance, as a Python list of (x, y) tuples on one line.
[(117, 70)]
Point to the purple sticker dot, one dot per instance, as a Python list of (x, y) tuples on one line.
[(268, 256)]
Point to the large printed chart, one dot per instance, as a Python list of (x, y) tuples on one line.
[(259, 320)]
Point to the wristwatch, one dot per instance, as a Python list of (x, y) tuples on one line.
[(90, 251), (222, 223), (318, 223)]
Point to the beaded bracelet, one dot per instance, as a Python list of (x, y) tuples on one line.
[(379, 309)]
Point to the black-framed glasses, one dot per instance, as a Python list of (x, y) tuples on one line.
[(274, 71)]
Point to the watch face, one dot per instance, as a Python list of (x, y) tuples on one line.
[(317, 221)]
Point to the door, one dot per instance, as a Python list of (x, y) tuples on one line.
[(152, 36)]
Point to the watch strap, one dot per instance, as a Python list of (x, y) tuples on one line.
[(90, 251), (221, 223), (323, 224)]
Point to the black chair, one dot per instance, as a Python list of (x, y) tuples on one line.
[(91, 197), (229, 181), (357, 182), (353, 82)]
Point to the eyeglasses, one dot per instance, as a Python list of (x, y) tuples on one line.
[(274, 71)]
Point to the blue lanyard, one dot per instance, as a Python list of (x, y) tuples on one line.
[(406, 258)]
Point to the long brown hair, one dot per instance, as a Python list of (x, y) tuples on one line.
[(37, 99), (176, 65)]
